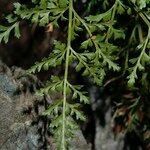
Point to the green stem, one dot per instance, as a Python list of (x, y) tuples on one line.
[(84, 63), (141, 14), (140, 33), (112, 18), (66, 73), (90, 34), (144, 19), (82, 21), (60, 14), (86, 27), (143, 50), (145, 44)]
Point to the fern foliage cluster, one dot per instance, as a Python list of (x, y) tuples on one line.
[(110, 45)]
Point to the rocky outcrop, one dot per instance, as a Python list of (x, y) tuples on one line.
[(20, 111), (22, 126), (104, 138)]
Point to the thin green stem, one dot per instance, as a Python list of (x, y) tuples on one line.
[(66, 73), (143, 50), (84, 63), (144, 19), (61, 14), (72, 87), (112, 18), (90, 34), (141, 14), (82, 21), (140, 33), (87, 28), (145, 44)]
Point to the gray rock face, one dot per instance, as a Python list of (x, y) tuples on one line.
[(16, 131), (104, 136), (19, 109), (79, 142)]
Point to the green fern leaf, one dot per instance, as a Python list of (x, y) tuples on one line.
[(5, 32)]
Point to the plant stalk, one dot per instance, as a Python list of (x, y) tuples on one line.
[(66, 73)]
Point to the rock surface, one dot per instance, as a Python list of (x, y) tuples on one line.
[(104, 136), (17, 111), (21, 124)]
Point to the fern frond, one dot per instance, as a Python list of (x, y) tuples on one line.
[(139, 62), (55, 58), (51, 87), (77, 93), (5, 31), (43, 13)]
